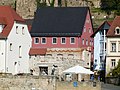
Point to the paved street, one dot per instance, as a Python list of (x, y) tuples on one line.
[(110, 87)]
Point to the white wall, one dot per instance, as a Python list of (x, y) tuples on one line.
[(97, 48), (13, 56), (2, 56), (112, 55)]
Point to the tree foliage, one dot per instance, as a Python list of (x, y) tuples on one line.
[(43, 3), (111, 5), (116, 70)]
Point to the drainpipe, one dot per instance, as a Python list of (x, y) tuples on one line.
[(5, 53)]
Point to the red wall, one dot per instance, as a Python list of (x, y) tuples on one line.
[(78, 40)]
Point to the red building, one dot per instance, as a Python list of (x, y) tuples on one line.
[(62, 27)]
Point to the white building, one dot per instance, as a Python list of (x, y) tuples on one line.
[(15, 42), (100, 45), (113, 45)]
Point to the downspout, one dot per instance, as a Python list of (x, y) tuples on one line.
[(5, 53)]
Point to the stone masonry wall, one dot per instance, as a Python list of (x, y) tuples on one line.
[(26, 83)]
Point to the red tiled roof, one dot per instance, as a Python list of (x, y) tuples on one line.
[(38, 51), (115, 23), (2, 20), (9, 15)]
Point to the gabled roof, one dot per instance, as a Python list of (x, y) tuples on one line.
[(59, 21), (116, 23), (7, 17), (37, 51), (104, 26)]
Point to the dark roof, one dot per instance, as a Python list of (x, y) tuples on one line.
[(59, 21), (104, 26), (116, 23)]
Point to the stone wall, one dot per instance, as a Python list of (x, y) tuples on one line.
[(26, 82), (63, 58), (10, 82)]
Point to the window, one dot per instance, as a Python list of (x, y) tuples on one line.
[(113, 47), (86, 42), (10, 46), (54, 40), (118, 46), (89, 30), (83, 41), (36, 40), (43, 41), (23, 31), (117, 30), (84, 29), (113, 62), (20, 52), (16, 29), (72, 40), (63, 40)]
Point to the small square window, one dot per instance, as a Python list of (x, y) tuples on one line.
[(43, 41), (63, 40), (36, 40), (54, 40), (72, 40)]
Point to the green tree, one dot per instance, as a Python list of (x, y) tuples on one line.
[(116, 70), (111, 5)]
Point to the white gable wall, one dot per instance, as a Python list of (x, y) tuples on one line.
[(2, 56), (16, 64), (97, 48)]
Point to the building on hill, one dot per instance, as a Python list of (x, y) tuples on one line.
[(64, 32), (15, 42), (113, 45)]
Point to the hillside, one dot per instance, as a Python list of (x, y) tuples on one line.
[(26, 8)]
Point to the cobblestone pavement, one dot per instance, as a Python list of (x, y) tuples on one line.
[(110, 87)]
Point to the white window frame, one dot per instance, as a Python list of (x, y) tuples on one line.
[(117, 28), (86, 42), (35, 40), (10, 46), (84, 29), (71, 40), (61, 40), (83, 41), (53, 40), (20, 52), (42, 40), (16, 29), (113, 48), (113, 62), (23, 30), (89, 30)]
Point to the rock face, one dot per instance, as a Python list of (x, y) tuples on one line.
[(26, 8)]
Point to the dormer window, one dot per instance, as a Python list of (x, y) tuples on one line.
[(117, 30)]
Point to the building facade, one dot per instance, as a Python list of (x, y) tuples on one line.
[(100, 45), (113, 45), (64, 33), (15, 42)]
